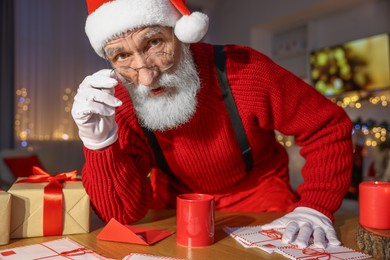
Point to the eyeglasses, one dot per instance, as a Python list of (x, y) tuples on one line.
[(158, 55)]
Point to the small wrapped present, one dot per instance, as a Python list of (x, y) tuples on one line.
[(45, 205), (5, 216)]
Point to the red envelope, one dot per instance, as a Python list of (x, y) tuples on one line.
[(115, 231)]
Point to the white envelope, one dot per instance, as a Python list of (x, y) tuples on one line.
[(57, 249)]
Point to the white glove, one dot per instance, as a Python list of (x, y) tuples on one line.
[(94, 110), (301, 224)]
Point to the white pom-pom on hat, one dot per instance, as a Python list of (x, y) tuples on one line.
[(190, 28)]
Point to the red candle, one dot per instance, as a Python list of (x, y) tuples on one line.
[(374, 204)]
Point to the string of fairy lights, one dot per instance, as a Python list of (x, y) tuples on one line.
[(375, 133), (22, 124)]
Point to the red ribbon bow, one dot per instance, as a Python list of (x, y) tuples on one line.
[(271, 233), (76, 252), (316, 253), (319, 253), (52, 198), (67, 254)]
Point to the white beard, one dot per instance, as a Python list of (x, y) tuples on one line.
[(176, 105)]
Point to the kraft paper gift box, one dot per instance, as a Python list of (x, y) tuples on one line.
[(29, 218), (5, 217)]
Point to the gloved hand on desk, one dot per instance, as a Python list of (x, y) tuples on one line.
[(304, 223)]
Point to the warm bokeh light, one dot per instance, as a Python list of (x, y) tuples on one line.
[(25, 130), (357, 65)]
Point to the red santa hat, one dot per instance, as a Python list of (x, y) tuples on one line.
[(109, 18)]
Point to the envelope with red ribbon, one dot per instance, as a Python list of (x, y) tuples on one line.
[(63, 248), (47, 205), (5, 216)]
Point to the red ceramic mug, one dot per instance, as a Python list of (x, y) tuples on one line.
[(374, 204), (195, 220)]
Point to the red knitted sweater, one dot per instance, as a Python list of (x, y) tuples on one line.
[(205, 157)]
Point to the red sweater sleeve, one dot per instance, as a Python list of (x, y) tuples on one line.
[(116, 177), (286, 103)]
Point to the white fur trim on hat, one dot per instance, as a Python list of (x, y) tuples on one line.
[(115, 17), (118, 16)]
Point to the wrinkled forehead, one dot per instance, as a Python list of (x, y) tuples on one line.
[(141, 34), (134, 39)]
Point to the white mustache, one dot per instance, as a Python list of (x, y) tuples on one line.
[(176, 105)]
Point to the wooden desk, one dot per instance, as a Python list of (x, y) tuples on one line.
[(224, 248)]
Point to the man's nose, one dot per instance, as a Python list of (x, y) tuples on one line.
[(147, 76), (146, 73)]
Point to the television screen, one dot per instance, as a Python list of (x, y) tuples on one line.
[(362, 64)]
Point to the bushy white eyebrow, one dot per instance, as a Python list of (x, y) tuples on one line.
[(152, 31), (111, 51)]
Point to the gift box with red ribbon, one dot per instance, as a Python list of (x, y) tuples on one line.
[(5, 216), (49, 205)]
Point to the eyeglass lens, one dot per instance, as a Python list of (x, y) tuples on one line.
[(159, 55)]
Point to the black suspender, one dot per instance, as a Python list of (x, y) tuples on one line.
[(162, 163), (220, 62), (235, 119)]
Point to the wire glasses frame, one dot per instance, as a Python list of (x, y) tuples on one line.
[(157, 58)]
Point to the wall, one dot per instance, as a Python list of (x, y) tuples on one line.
[(367, 19), (231, 21)]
